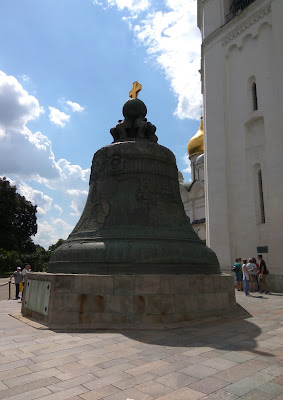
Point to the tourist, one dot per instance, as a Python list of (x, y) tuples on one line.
[(257, 274), (238, 271), (246, 276), (27, 268), (252, 272), (18, 279), (263, 272)]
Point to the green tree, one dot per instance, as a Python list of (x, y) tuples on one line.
[(18, 219), (38, 259), (9, 260), (57, 244)]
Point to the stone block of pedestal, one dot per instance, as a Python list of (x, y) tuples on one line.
[(125, 301)]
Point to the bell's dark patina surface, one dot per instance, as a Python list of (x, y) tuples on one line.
[(134, 220)]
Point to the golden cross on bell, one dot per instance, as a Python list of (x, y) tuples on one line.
[(137, 87)]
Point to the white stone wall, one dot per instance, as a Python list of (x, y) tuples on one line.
[(238, 140)]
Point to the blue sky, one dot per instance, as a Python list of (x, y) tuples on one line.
[(66, 68)]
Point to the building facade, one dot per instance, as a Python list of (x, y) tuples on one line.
[(242, 83)]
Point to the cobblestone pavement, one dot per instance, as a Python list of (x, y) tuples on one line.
[(216, 359)]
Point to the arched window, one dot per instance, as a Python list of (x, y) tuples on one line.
[(254, 97), (261, 200)]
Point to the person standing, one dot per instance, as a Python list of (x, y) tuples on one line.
[(246, 276), (252, 274), (257, 274), (262, 274), (18, 279), (26, 269), (239, 275)]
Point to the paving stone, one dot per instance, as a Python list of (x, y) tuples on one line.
[(157, 358), (256, 395), (237, 356), (69, 367), (60, 353), (113, 370), (199, 371), (94, 360), (249, 383), (237, 373), (278, 380), (15, 364), (8, 358), (66, 394), (275, 369), (134, 380), (268, 345), (31, 395), (129, 394), (154, 389), (63, 385), (182, 394), (176, 380), (107, 380), (272, 388), (219, 363), (21, 389), (208, 385), (100, 393), (3, 386), (11, 373), (111, 363), (78, 372), (197, 351), (152, 366), (221, 395), (195, 359), (31, 377), (171, 368), (53, 363)]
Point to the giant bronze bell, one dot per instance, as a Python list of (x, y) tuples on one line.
[(134, 220)]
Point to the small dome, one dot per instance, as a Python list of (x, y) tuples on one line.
[(200, 159), (195, 145), (180, 176)]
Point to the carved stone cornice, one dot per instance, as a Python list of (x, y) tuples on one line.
[(247, 23)]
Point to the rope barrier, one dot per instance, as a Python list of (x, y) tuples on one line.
[(7, 283)]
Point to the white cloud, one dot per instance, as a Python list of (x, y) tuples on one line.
[(76, 107), (58, 117), (17, 107), (133, 5), (78, 201), (58, 208), (36, 197), (32, 155), (187, 163), (50, 232), (173, 40), (25, 78), (28, 156)]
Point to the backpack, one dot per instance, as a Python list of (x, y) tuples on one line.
[(235, 269)]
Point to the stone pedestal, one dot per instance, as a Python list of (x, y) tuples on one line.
[(125, 301)]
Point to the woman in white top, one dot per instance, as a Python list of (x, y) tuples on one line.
[(246, 276)]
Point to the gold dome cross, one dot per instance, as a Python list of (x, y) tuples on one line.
[(137, 87)]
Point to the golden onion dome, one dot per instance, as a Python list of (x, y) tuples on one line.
[(195, 145)]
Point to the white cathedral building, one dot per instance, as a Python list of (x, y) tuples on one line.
[(242, 84), (193, 193)]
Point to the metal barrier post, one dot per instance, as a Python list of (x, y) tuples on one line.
[(9, 290)]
